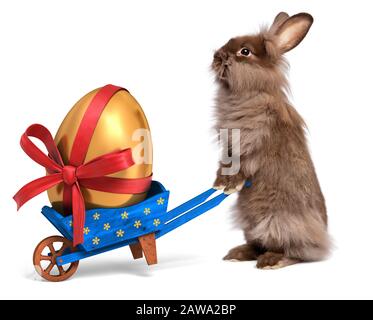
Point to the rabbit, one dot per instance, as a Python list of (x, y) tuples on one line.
[(283, 214)]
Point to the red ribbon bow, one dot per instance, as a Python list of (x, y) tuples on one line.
[(91, 175)]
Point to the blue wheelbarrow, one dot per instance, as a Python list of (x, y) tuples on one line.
[(138, 226)]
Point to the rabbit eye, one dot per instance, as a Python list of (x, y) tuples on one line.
[(244, 52)]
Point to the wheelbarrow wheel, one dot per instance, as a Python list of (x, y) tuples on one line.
[(45, 259)]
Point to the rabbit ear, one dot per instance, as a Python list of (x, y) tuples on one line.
[(292, 31), (279, 20)]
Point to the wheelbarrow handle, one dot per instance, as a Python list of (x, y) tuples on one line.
[(192, 209), (190, 204)]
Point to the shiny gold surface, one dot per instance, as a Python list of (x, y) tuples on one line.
[(121, 117)]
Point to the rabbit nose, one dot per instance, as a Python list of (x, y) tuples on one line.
[(220, 55)]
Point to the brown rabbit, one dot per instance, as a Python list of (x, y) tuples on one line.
[(283, 214)]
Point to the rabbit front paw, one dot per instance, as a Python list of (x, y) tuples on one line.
[(230, 184)]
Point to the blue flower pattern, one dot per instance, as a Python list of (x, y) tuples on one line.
[(105, 227)]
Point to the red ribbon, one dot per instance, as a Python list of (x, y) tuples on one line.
[(91, 175)]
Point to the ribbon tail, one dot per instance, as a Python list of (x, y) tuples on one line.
[(67, 199), (36, 187), (78, 214)]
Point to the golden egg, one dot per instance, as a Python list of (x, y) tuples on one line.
[(122, 125)]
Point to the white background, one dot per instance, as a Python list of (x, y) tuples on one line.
[(53, 52)]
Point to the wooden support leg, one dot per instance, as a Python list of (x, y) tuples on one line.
[(136, 250), (148, 246)]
